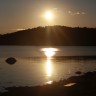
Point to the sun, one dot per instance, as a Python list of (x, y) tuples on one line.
[(48, 15)]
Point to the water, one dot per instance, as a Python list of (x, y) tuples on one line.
[(32, 71), (35, 51)]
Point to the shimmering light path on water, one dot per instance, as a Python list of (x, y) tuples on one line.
[(39, 71)]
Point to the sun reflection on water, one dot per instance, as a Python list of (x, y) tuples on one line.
[(49, 52), (49, 70), (49, 67)]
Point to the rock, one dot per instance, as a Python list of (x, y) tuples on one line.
[(11, 60), (78, 72)]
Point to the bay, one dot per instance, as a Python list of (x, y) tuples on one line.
[(34, 68)]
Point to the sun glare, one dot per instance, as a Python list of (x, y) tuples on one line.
[(49, 52), (48, 15)]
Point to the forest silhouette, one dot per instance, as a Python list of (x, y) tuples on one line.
[(51, 36)]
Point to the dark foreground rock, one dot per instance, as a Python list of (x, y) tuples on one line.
[(11, 60), (83, 85), (78, 72)]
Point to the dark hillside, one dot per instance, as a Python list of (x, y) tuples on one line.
[(51, 35)]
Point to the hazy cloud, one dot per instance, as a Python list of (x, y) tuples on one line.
[(55, 8), (83, 13), (18, 29), (76, 13), (69, 12)]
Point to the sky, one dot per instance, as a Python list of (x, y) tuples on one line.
[(23, 14)]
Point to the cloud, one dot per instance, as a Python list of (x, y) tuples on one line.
[(83, 13), (19, 29), (69, 12), (76, 13), (55, 8)]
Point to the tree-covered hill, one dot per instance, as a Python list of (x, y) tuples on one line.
[(51, 36)]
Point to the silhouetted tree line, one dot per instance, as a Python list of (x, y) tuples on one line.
[(51, 35)]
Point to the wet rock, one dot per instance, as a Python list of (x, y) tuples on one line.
[(78, 72), (11, 60)]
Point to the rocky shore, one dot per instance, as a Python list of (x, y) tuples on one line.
[(81, 85)]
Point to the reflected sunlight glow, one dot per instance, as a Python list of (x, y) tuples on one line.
[(70, 84), (49, 68), (49, 82), (49, 52)]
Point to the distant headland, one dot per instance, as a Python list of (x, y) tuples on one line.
[(51, 36)]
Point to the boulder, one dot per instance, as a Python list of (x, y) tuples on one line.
[(78, 72), (11, 60)]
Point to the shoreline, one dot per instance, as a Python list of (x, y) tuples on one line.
[(81, 85)]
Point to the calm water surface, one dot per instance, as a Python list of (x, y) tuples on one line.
[(30, 71)]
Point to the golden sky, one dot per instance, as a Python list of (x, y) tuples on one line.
[(23, 14)]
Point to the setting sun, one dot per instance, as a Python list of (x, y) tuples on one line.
[(48, 15)]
